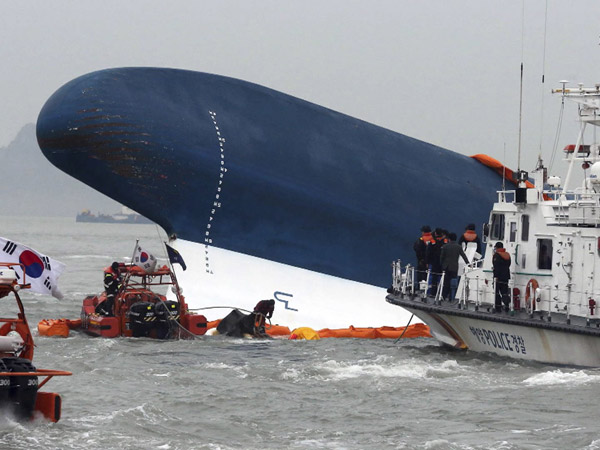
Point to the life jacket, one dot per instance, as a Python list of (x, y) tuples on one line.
[(470, 236), (112, 279), (503, 254), (110, 274), (109, 270), (427, 238)]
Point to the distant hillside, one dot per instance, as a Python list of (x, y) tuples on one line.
[(34, 187)]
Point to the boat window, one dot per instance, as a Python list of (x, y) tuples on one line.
[(486, 232), (513, 231), (524, 227), (544, 247), (497, 231)]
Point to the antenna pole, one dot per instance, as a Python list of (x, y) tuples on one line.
[(520, 120), (504, 170), (521, 87)]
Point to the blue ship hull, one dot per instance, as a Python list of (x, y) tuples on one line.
[(241, 167)]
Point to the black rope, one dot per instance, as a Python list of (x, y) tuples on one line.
[(405, 328)]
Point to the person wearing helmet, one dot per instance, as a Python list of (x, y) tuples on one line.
[(112, 284)]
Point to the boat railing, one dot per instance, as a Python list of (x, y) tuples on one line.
[(506, 196), (580, 206), (478, 288)]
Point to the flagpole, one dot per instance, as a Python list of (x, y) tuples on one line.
[(137, 241), (172, 270), (128, 273)]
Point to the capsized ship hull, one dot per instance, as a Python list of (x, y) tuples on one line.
[(243, 175)]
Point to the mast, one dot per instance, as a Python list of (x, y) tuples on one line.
[(521, 90)]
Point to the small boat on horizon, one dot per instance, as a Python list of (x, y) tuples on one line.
[(125, 216), (547, 311)]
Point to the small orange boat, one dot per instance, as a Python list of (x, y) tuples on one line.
[(19, 387), (57, 327), (140, 311)]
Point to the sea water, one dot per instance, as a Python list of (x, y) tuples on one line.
[(225, 393)]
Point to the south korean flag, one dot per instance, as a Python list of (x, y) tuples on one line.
[(41, 271), (144, 259)]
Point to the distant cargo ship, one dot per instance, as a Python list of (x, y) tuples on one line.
[(263, 194), (126, 216)]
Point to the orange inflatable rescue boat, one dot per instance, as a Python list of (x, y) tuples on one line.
[(138, 310), (19, 387)]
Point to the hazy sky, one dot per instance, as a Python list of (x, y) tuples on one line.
[(443, 71)]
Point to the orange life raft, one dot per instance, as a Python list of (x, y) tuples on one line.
[(57, 327), (412, 331)]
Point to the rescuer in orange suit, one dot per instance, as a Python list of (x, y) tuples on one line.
[(112, 284)]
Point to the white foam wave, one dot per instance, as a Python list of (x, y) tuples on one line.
[(218, 365), (146, 412), (557, 377), (594, 445), (436, 443), (381, 368), (106, 257), (241, 371)]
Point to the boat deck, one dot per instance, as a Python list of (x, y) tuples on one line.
[(539, 319)]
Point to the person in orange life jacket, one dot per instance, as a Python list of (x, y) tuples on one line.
[(112, 284), (470, 235), (433, 253), (420, 248), (501, 265), (263, 309), (449, 262)]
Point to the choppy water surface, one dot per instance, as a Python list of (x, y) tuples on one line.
[(223, 393)]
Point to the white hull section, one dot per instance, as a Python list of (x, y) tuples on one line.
[(514, 341), (217, 277)]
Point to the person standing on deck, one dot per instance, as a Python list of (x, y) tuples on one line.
[(470, 235), (449, 262), (420, 248), (501, 265), (112, 284), (434, 251)]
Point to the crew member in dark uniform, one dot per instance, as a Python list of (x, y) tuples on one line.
[(263, 310), (449, 260), (501, 265), (112, 284), (420, 248), (434, 252)]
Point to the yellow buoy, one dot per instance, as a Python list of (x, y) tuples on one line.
[(305, 333)]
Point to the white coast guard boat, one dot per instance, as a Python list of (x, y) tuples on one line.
[(553, 237)]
